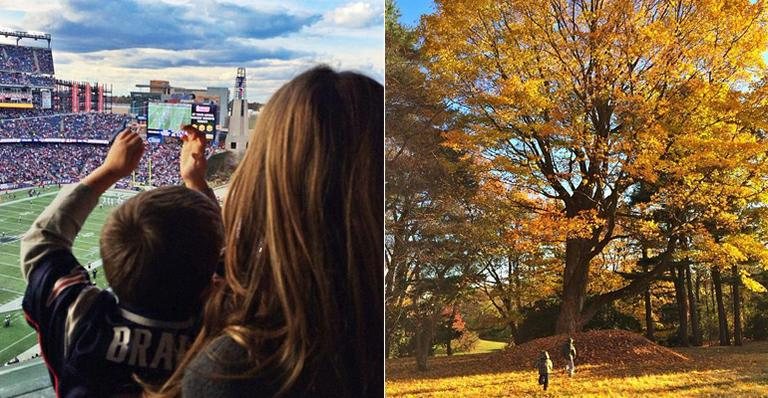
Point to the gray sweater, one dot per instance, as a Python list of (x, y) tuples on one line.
[(206, 375)]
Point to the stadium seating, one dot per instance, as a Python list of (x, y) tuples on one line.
[(45, 60), (25, 80), (33, 164), (92, 125), (26, 59), (19, 113), (40, 162), (33, 127)]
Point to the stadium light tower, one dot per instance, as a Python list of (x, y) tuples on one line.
[(237, 136)]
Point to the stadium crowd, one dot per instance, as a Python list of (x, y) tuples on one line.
[(164, 159), (9, 113), (45, 60), (25, 80), (34, 127), (92, 125), (33, 164), (26, 59)]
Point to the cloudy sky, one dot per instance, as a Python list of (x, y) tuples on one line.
[(201, 43)]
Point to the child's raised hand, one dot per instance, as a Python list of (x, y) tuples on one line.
[(193, 163), (124, 155)]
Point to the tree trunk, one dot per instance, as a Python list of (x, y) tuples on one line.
[(694, 308), (424, 335), (698, 287), (513, 331), (574, 286), (736, 293), (682, 304), (422, 349), (725, 338), (649, 328), (713, 314), (448, 338)]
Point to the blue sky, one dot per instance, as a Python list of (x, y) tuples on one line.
[(411, 10), (196, 44)]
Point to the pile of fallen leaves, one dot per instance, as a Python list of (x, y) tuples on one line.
[(597, 347)]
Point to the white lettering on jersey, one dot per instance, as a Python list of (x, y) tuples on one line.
[(164, 352), (139, 347), (118, 349), (137, 341)]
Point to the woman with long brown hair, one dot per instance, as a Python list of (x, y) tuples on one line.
[(301, 309)]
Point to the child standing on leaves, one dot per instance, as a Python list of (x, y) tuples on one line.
[(544, 364), (569, 354)]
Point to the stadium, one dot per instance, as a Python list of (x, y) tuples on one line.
[(55, 131)]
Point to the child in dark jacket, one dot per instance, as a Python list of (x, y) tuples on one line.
[(159, 251), (544, 364)]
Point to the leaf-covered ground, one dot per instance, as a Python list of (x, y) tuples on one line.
[(687, 372)]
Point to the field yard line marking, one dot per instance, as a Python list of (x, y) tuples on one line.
[(18, 341), (11, 290), (29, 353), (9, 369), (27, 199), (14, 277), (13, 305)]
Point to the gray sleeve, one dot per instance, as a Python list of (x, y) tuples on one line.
[(58, 225), (207, 374), (212, 196)]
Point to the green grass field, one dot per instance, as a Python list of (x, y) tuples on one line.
[(482, 347), (168, 116), (16, 216)]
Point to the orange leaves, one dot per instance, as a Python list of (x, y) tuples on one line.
[(457, 140)]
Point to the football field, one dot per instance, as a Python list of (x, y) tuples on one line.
[(16, 216), (168, 116)]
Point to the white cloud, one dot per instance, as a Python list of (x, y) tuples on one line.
[(29, 6), (346, 36), (354, 15)]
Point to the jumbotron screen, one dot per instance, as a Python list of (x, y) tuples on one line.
[(204, 119), (168, 118)]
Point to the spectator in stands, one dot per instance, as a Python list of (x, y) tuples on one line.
[(159, 252), (301, 310)]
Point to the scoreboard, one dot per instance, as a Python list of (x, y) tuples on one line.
[(166, 119), (204, 119)]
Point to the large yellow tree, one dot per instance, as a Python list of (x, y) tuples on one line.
[(578, 102)]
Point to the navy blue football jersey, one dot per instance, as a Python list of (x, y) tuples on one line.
[(93, 345)]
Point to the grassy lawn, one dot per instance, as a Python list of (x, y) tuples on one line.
[(482, 346), (710, 372), (16, 215)]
